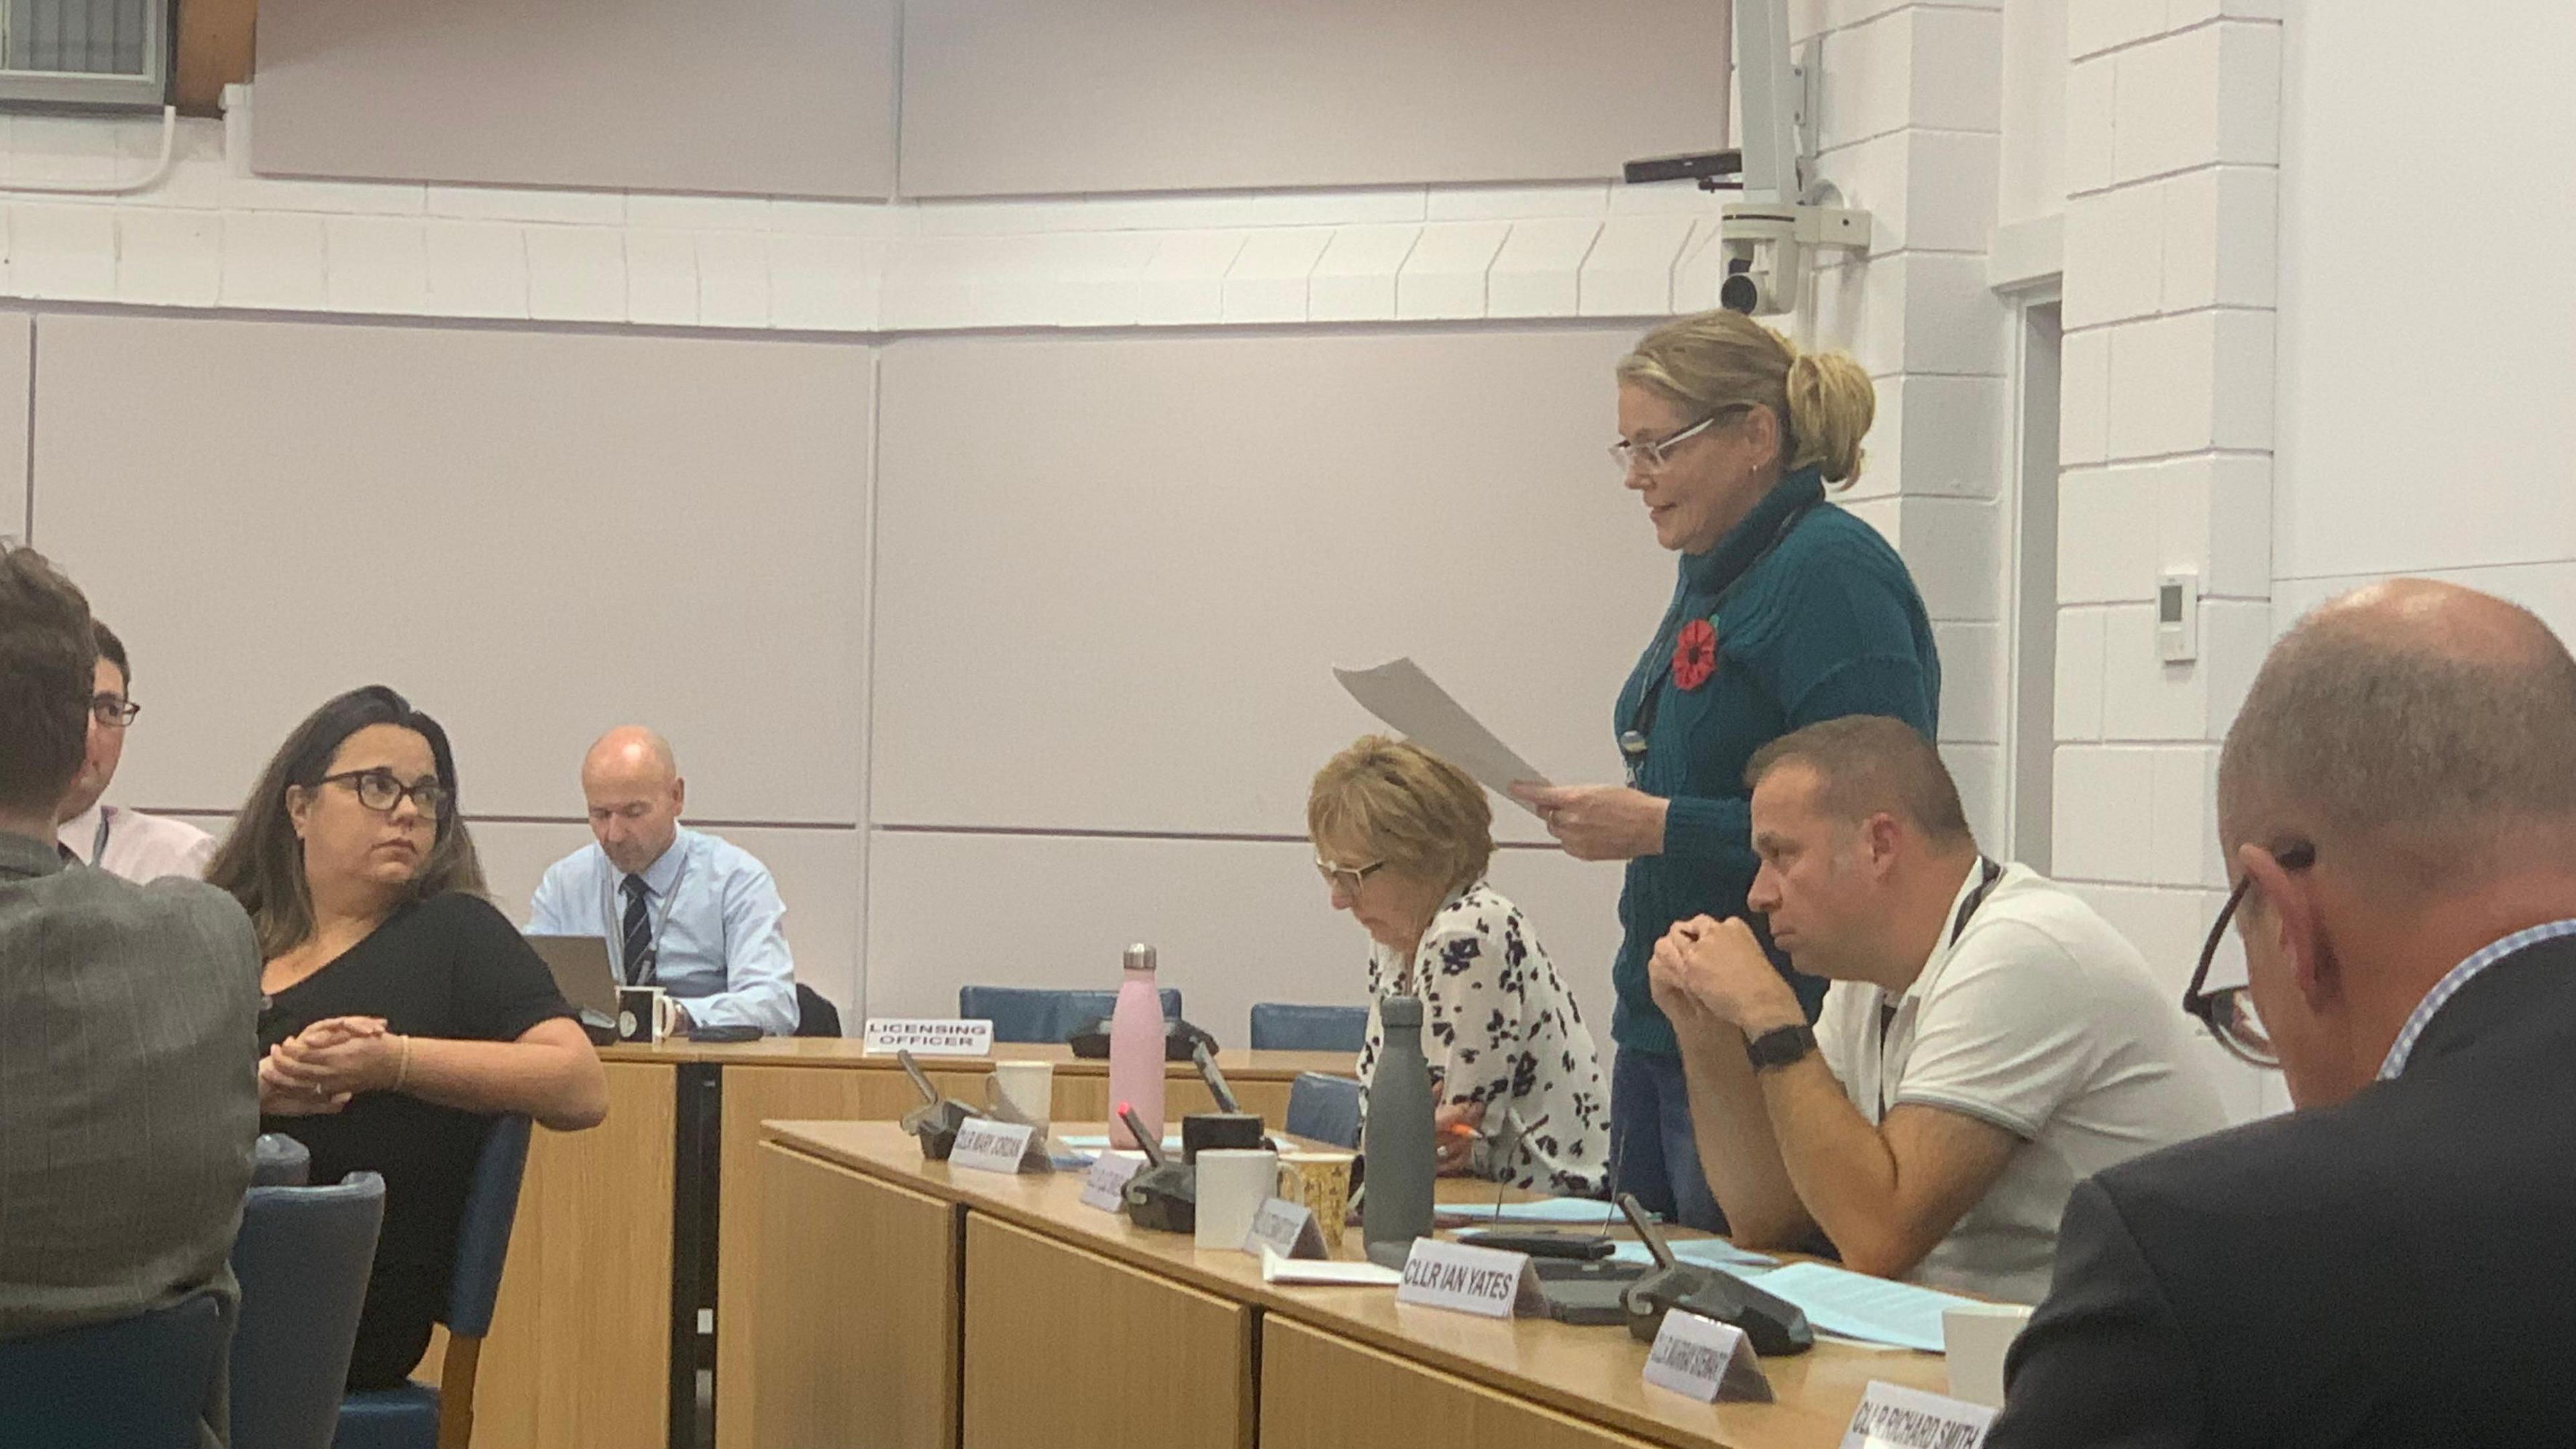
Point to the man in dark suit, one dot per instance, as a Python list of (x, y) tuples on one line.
[(129, 1049), (2395, 1262)]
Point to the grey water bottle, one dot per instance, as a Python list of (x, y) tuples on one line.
[(1401, 1165)]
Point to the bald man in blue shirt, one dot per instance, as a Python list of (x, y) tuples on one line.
[(680, 909)]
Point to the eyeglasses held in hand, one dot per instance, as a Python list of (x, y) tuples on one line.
[(378, 790), (2229, 1011)]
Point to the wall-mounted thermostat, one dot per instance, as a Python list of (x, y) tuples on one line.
[(2178, 618)]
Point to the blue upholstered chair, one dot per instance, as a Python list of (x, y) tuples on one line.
[(417, 1416), (1324, 1109), (303, 1257), (135, 1383), (277, 1160), (1022, 1013), (1280, 1026)]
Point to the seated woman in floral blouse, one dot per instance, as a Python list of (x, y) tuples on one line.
[(1402, 839)]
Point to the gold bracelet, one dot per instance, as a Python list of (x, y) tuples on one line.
[(402, 1073)]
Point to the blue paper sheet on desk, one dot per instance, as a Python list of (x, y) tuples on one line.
[(1588, 1211), (1855, 1305), (1707, 1252)]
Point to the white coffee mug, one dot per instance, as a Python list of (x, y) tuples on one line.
[(645, 1013), (1233, 1184), (1030, 1089), (1975, 1340)]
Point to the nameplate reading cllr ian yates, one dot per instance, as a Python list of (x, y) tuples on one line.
[(1893, 1417), (926, 1036), (1486, 1281), (989, 1146)]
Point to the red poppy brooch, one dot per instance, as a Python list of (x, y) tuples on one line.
[(1695, 654)]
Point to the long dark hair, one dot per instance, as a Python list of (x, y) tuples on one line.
[(261, 863)]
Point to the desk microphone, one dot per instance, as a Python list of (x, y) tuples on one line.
[(936, 1121), (1163, 1198), (1774, 1324)]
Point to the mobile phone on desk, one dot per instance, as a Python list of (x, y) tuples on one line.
[(1540, 1244), (723, 1033)]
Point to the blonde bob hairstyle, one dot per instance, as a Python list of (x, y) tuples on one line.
[(1401, 804), (1718, 362)]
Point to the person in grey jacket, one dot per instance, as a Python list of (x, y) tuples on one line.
[(129, 1089)]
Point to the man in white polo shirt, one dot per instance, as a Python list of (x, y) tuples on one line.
[(1989, 1040), (119, 841)]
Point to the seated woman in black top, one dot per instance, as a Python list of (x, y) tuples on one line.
[(403, 1011)]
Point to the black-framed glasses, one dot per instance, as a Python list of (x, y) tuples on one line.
[(1650, 455), (1347, 876), (2229, 1011), (378, 790), (113, 709)]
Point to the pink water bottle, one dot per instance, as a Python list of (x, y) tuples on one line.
[(1136, 1048)]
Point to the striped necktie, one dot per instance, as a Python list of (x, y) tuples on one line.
[(638, 952)]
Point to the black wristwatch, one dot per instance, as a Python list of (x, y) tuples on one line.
[(1781, 1046)]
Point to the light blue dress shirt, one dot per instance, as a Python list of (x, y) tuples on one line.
[(719, 929)]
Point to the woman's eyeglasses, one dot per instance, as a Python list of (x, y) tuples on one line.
[(1649, 455), (2229, 1011), (1347, 877), (378, 790)]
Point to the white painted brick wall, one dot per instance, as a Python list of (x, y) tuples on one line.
[(2173, 115)]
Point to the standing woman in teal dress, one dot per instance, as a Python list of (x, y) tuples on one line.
[(1788, 611)]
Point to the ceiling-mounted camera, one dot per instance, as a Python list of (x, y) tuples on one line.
[(1786, 211)]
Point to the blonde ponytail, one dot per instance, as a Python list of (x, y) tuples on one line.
[(1831, 405), (1714, 361)]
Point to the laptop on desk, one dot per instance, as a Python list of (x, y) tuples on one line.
[(583, 974)]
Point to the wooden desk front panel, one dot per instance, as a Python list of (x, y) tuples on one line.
[(1322, 1391), (1067, 1348), (580, 1349), (753, 1095), (857, 1323)]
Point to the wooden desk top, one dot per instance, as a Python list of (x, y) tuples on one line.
[(1590, 1373), (845, 1052)]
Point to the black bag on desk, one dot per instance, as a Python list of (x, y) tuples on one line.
[(1090, 1041)]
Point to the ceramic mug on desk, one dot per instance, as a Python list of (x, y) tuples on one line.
[(1233, 1184), (645, 1014), (1030, 1089), (1319, 1182)]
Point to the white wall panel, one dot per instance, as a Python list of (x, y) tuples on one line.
[(1030, 97), (1236, 922), (784, 97), (15, 330), (1115, 574), (534, 535), (2422, 422)]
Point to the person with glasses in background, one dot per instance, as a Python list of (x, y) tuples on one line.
[(1402, 838), (122, 842), (1989, 1038), (692, 913), (1788, 611), (2389, 1263), (402, 1011)]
